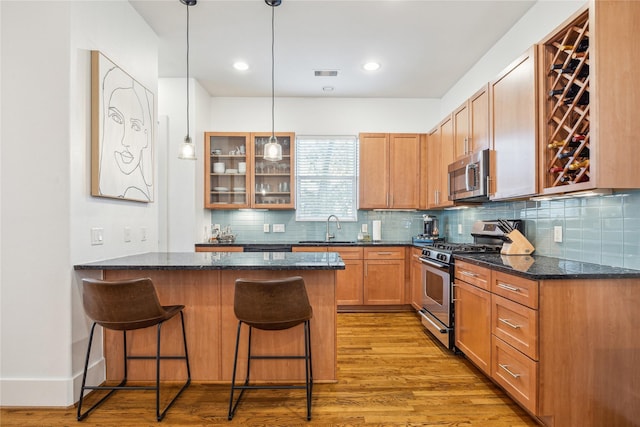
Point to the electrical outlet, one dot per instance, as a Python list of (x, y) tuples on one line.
[(459, 228), (97, 236), (265, 228), (143, 234), (557, 234), (127, 234), (365, 228), (216, 227), (278, 228)]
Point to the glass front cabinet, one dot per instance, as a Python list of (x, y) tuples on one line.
[(237, 176)]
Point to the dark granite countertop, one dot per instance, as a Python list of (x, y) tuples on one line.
[(311, 243), (538, 267), (220, 261)]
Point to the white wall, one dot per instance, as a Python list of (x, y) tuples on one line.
[(47, 211)]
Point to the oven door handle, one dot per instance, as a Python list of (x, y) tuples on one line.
[(438, 327), (433, 263)]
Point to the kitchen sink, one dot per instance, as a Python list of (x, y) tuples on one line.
[(324, 242)]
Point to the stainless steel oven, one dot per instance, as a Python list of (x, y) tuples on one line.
[(437, 306)]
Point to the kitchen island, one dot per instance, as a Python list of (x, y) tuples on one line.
[(204, 283)]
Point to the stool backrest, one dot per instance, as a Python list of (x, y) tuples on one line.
[(122, 304), (272, 304)]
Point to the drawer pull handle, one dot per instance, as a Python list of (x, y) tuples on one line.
[(506, 368), (468, 273), (508, 323), (385, 253), (509, 288)]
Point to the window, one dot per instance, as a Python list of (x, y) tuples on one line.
[(326, 177)]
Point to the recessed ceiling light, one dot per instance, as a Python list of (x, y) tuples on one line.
[(241, 66), (328, 88), (371, 66)]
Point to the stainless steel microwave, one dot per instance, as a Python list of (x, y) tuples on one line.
[(468, 177)]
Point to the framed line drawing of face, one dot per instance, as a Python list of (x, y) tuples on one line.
[(122, 133)]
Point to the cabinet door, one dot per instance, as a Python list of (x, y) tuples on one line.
[(439, 155), (416, 279), (349, 288), (404, 179), (473, 324), (225, 185), (383, 282), (374, 171), (274, 183), (514, 118), (479, 121), (461, 130)]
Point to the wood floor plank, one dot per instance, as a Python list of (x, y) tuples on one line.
[(390, 373)]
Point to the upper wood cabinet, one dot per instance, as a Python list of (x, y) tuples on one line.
[(439, 155), (236, 175), (514, 129), (471, 124), (389, 171), (590, 104)]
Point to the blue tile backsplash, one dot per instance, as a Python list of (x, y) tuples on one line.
[(601, 229)]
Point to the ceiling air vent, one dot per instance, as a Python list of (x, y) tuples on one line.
[(326, 73)]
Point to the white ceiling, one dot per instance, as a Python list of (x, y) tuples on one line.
[(424, 46)]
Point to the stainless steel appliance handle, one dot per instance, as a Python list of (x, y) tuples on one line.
[(506, 368), (433, 263), (425, 317), (467, 175)]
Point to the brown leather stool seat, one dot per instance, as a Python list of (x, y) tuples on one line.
[(126, 305), (272, 305)]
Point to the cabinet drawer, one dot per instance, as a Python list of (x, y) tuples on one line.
[(515, 288), (473, 274), (347, 252), (516, 373), (515, 324), (384, 252)]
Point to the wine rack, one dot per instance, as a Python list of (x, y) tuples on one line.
[(566, 139)]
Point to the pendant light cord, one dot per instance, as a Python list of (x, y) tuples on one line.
[(187, 70), (273, 133)]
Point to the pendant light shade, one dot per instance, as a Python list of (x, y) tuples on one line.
[(188, 149), (273, 150)]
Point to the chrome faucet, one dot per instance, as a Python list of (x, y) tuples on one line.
[(330, 236)]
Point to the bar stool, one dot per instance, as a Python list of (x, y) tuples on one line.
[(126, 305), (272, 305)]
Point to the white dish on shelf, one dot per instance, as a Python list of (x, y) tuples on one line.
[(220, 189), (239, 189), (232, 171)]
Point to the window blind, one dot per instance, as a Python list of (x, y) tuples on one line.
[(326, 177)]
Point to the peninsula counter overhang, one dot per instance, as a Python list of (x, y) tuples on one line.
[(221, 261)]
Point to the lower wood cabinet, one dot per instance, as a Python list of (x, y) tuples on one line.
[(473, 314), (384, 275), (415, 278), (349, 281)]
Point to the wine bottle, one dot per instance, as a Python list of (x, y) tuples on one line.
[(572, 92), (578, 137), (568, 176), (583, 153), (579, 164), (570, 68), (583, 100), (556, 169), (561, 143), (582, 46)]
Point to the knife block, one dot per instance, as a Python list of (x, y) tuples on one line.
[(518, 245)]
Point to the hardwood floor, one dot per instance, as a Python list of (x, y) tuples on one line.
[(391, 373)]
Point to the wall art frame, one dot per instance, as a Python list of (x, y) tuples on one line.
[(122, 133)]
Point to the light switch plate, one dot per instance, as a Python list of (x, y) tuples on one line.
[(365, 228), (143, 234), (265, 228), (278, 228), (127, 234), (557, 234), (459, 228), (97, 236)]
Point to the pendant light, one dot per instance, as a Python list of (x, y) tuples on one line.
[(272, 150), (188, 149)]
